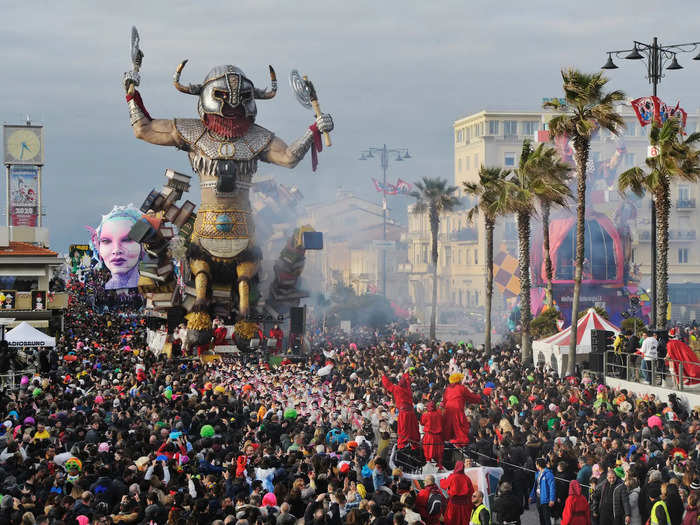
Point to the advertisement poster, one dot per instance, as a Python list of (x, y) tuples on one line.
[(80, 257), (24, 195), (115, 250)]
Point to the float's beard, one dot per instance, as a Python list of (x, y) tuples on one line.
[(235, 125)]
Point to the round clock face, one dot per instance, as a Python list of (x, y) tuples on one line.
[(24, 145)]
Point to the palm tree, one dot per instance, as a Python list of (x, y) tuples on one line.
[(587, 109), (435, 197), (532, 181), (490, 203), (557, 170), (678, 159)]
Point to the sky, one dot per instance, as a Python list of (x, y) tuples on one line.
[(390, 72)]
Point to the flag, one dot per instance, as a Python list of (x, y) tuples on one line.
[(646, 109), (387, 189), (403, 187), (506, 273)]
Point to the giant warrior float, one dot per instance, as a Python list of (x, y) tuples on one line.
[(224, 145)]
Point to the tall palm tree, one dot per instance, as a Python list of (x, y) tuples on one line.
[(557, 170), (490, 203), (678, 158), (532, 181), (435, 197), (588, 108)]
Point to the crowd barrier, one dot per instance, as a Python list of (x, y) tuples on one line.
[(679, 374)]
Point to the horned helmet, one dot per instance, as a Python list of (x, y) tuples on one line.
[(224, 90)]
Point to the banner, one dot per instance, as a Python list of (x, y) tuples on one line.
[(24, 194), (387, 189), (403, 187), (653, 108)]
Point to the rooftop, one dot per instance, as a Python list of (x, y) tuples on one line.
[(25, 249)]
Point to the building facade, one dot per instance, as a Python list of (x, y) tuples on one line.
[(495, 138), (352, 254)]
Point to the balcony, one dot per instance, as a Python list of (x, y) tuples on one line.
[(465, 234), (685, 204), (673, 235), (682, 235)]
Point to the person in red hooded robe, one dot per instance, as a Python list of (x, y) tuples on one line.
[(455, 424), (407, 433), (433, 446), (576, 509), (459, 492)]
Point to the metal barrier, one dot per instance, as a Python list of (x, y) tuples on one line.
[(632, 367), (12, 378)]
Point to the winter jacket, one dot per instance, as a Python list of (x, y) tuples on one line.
[(576, 509), (621, 500), (544, 480), (635, 516)]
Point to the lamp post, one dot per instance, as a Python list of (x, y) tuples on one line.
[(384, 152), (657, 57)]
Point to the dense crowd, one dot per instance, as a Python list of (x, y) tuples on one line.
[(107, 432)]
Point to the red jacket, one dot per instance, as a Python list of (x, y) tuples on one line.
[(576, 508), (422, 504)]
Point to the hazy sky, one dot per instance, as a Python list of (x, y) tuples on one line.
[(390, 72)]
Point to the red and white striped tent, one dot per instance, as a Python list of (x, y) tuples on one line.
[(554, 349)]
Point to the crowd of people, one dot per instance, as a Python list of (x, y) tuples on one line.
[(108, 432)]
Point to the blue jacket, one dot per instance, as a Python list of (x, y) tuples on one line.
[(545, 479)]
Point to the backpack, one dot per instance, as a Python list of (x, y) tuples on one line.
[(435, 504)]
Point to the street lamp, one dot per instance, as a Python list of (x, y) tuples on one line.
[(384, 152), (657, 57)]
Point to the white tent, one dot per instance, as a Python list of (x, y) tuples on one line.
[(554, 350), (25, 334)]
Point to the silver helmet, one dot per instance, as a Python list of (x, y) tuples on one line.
[(226, 87)]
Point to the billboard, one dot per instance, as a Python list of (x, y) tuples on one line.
[(115, 250), (80, 257), (24, 195)]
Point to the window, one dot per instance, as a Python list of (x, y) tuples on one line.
[(476, 256), (509, 159), (634, 254), (476, 162), (683, 192), (682, 255), (529, 127), (493, 127), (510, 128), (629, 159), (459, 256), (476, 297), (448, 256), (459, 165), (466, 163), (460, 136)]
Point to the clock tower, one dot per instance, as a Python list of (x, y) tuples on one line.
[(23, 153)]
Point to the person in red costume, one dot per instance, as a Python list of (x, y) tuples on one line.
[(277, 333), (408, 433), (431, 516), (219, 332), (576, 508), (459, 491), (433, 446), (455, 425)]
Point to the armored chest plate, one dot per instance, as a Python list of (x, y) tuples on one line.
[(212, 146)]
